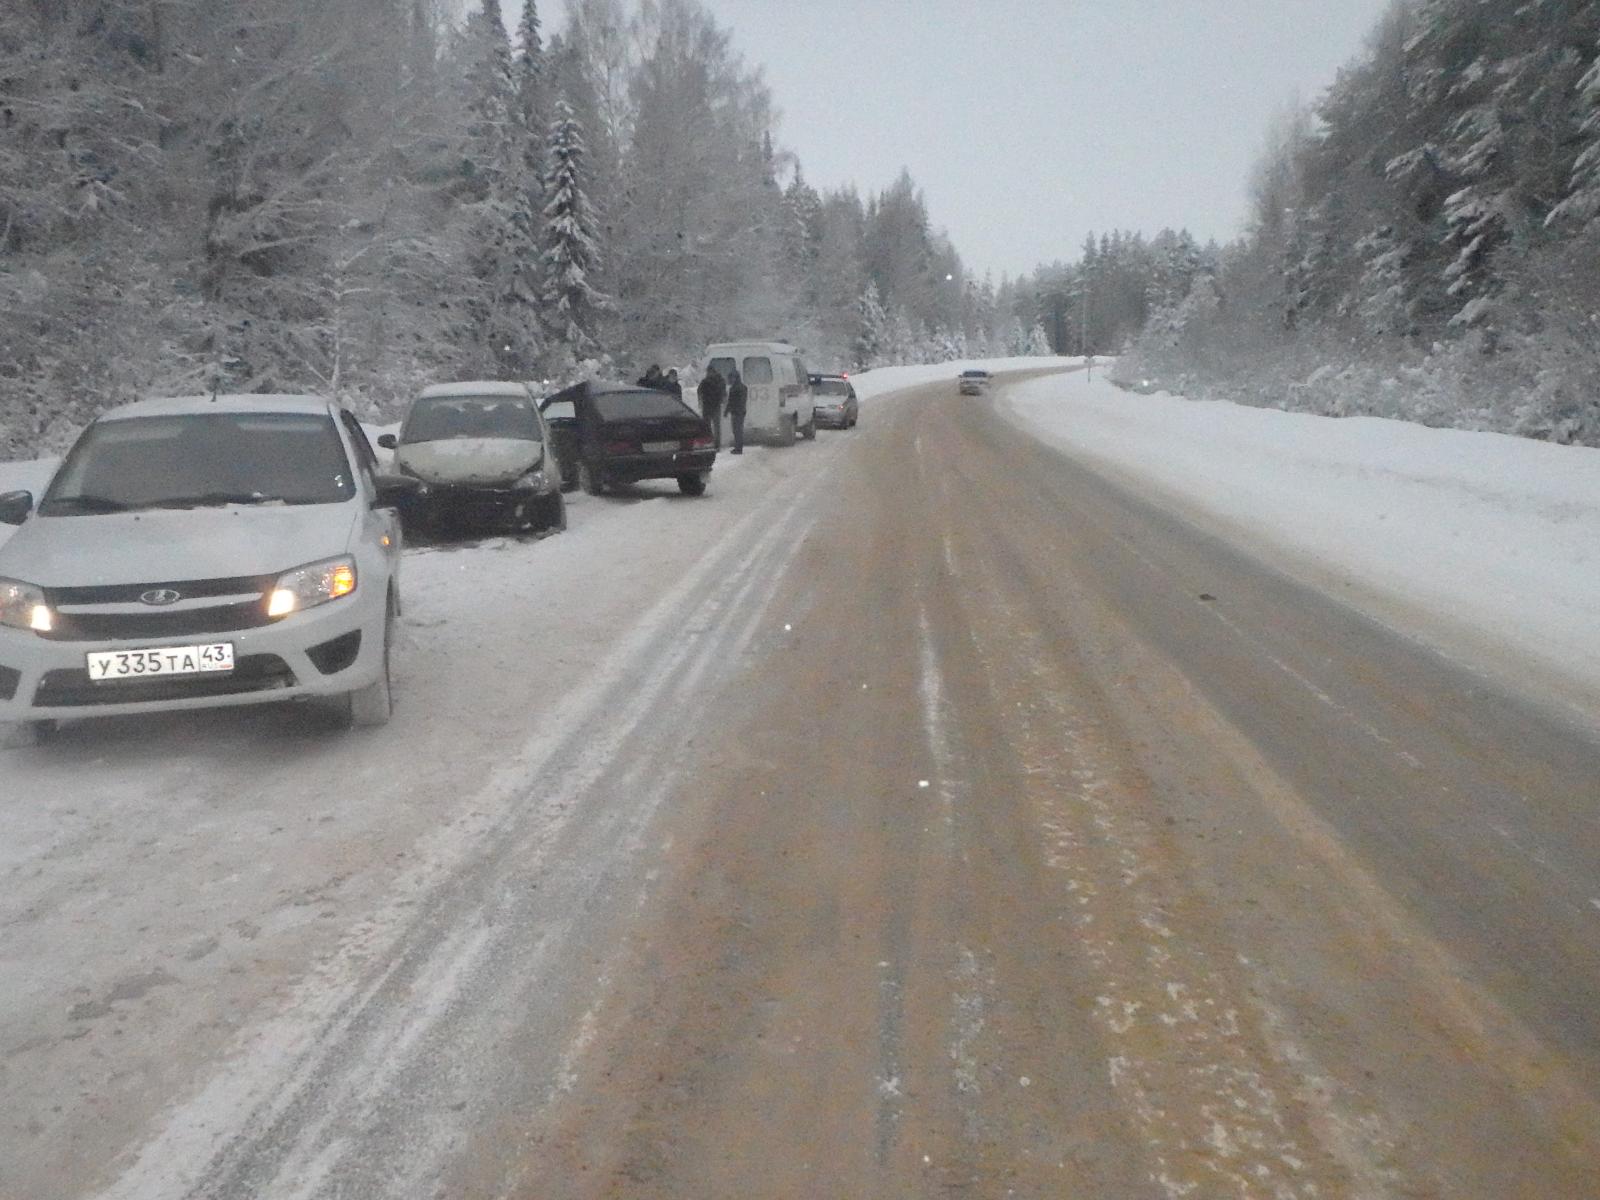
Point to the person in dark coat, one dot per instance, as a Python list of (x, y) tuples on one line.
[(738, 397), (652, 377), (712, 393), (669, 383)]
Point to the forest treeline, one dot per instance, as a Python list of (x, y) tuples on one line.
[(1425, 239), (360, 196)]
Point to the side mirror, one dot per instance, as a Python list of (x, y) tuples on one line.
[(388, 441), (395, 490), (15, 507)]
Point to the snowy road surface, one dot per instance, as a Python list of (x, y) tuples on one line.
[(925, 812)]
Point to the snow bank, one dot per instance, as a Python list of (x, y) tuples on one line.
[(1473, 541)]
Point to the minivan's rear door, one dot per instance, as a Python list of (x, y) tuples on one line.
[(762, 409)]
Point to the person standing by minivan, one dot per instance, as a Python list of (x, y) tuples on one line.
[(738, 398), (712, 393)]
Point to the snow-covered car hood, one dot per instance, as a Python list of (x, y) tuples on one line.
[(170, 545), (470, 460)]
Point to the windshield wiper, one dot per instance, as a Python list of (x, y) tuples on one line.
[(83, 504), (212, 500)]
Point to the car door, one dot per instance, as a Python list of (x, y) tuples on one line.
[(761, 402), (381, 525), (802, 401), (560, 414)]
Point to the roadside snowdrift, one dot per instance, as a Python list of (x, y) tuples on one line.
[(1483, 544)]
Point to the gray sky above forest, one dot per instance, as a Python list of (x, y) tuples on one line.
[(1028, 123)]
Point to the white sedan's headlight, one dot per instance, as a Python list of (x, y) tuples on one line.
[(311, 585), (22, 606), (534, 478)]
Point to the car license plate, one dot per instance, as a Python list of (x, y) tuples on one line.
[(659, 447), (163, 660)]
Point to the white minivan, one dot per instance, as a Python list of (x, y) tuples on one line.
[(780, 404)]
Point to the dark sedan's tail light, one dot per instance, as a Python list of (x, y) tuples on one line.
[(698, 443), (622, 447)]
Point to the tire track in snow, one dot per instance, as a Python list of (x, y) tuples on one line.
[(307, 1090)]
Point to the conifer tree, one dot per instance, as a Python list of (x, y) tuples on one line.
[(872, 336), (572, 253)]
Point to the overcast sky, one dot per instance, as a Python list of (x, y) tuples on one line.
[(1028, 123)]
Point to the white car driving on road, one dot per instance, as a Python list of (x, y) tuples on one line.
[(198, 552)]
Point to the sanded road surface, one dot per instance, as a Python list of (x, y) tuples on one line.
[(963, 824), (1112, 864)]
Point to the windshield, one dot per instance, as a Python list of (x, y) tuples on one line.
[(439, 418), (639, 406), (199, 460)]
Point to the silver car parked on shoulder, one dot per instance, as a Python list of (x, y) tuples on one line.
[(197, 552)]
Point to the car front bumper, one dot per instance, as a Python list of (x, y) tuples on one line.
[(483, 501), (45, 679)]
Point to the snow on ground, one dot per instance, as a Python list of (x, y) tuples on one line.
[(167, 882), (1485, 545)]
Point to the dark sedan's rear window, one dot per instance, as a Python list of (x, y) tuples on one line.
[(831, 387), (642, 405)]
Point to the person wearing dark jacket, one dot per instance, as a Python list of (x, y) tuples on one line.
[(652, 377), (669, 383), (738, 397), (712, 392)]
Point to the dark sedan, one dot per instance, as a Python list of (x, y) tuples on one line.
[(605, 434)]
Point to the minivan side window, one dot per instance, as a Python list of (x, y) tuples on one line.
[(804, 376), (758, 370)]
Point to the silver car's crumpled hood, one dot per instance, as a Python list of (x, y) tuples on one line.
[(471, 460), (171, 545)]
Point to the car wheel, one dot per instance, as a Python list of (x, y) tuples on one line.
[(17, 735), (692, 485), (810, 428), (372, 705), (590, 480)]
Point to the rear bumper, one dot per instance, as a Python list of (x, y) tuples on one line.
[(41, 679), (630, 468), (832, 418)]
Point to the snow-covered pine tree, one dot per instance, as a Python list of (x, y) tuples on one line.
[(572, 253), (1038, 342), (872, 337), (490, 96), (904, 345), (502, 228), (531, 89), (802, 227)]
